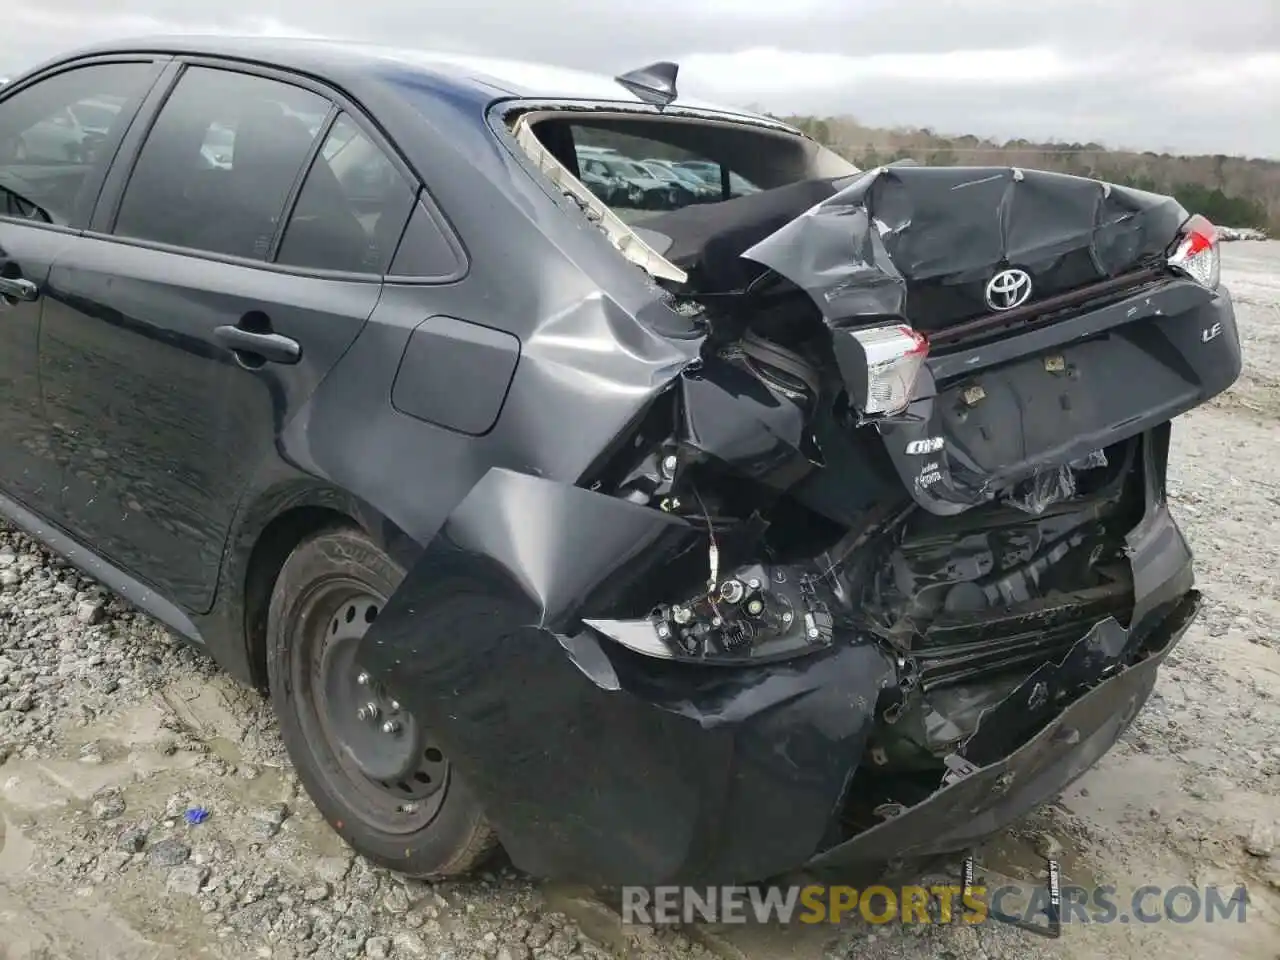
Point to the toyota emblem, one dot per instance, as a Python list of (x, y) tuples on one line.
[(1008, 289)]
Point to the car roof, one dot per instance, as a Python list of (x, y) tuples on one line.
[(499, 78)]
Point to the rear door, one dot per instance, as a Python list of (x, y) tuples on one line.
[(50, 171), (197, 317)]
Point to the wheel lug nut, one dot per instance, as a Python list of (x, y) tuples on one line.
[(362, 679), (368, 712), (395, 704), (391, 726)]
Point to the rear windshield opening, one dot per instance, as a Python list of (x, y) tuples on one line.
[(642, 166), (664, 179)]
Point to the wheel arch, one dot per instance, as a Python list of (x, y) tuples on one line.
[(278, 540), (269, 530)]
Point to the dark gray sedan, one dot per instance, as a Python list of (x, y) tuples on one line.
[(822, 523)]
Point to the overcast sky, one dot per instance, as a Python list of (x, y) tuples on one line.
[(1184, 75)]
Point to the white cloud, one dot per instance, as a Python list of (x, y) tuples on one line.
[(768, 70), (1119, 71), (38, 23), (1244, 76)]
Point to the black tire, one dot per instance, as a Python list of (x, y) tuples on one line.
[(326, 577)]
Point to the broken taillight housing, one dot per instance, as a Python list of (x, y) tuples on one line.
[(891, 358), (1197, 253)]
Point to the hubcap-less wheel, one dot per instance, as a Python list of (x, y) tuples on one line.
[(389, 761), (374, 770)]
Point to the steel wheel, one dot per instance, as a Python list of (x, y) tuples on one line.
[(392, 766), (370, 764)]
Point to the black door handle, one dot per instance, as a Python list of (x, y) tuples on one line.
[(17, 288), (271, 347)]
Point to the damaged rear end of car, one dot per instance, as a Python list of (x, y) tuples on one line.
[(882, 567)]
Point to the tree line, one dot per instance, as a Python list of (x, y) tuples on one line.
[(1231, 191)]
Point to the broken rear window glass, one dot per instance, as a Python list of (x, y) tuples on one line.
[(644, 164), (639, 170)]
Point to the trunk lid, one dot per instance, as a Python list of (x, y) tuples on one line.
[(925, 243), (1093, 340), (1022, 415)]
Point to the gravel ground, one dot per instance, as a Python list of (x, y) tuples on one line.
[(110, 731)]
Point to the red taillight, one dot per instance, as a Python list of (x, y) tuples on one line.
[(893, 357), (1197, 253)]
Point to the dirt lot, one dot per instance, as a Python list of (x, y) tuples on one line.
[(109, 731)]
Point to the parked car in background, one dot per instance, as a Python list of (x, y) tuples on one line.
[(602, 179), (219, 145), (709, 173), (704, 170), (683, 193), (598, 180), (71, 134), (96, 115), (814, 527), (639, 186), (584, 150), (59, 137), (701, 189)]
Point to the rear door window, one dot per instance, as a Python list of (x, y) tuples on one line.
[(426, 251), (220, 162), (352, 208), (57, 136)]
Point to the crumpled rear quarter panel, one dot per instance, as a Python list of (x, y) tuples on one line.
[(595, 764)]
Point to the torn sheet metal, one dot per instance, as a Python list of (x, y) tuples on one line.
[(989, 417), (596, 764), (1053, 484), (923, 243), (1002, 786), (738, 419), (604, 766)]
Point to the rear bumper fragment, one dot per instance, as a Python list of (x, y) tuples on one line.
[(599, 765), (988, 797)]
